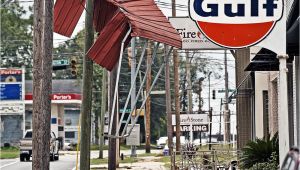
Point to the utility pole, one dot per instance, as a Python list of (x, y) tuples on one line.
[(133, 92), (42, 82), (112, 148), (210, 112), (148, 100), (189, 83), (168, 101), (226, 109), (103, 111), (86, 106), (176, 87), (200, 108)]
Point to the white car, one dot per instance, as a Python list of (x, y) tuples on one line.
[(161, 142), (182, 140), (197, 142)]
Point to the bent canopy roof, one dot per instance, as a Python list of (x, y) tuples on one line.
[(113, 19)]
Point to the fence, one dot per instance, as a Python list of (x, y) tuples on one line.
[(192, 159)]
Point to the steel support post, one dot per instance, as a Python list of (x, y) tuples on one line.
[(283, 119)]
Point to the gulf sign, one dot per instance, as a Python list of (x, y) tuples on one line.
[(236, 23)]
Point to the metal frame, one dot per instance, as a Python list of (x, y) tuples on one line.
[(117, 134)]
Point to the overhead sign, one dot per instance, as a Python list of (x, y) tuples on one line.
[(191, 37), (194, 128), (134, 137), (60, 62), (236, 23), (191, 119)]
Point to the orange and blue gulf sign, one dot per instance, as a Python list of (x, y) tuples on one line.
[(236, 23)]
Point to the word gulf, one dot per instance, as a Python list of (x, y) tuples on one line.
[(205, 9)]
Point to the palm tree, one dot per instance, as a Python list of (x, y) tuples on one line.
[(259, 151)]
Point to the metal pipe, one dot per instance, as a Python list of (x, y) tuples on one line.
[(144, 102), (141, 86), (117, 81), (131, 88)]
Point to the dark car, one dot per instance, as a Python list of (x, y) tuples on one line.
[(292, 160)]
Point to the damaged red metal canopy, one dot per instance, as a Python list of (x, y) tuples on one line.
[(112, 19)]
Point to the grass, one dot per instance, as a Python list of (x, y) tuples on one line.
[(9, 152), (122, 147), (105, 161)]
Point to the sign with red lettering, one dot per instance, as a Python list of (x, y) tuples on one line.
[(59, 96)]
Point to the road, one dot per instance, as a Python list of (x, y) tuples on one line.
[(67, 161)]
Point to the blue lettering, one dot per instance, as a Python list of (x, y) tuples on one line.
[(240, 10), (270, 6), (254, 8), (201, 12)]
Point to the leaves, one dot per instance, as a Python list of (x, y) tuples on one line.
[(260, 151), (16, 36)]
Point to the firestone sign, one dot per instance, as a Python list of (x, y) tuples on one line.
[(191, 119), (236, 23)]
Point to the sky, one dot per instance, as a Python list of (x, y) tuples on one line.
[(216, 55)]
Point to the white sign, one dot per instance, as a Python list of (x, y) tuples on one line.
[(194, 128), (192, 38), (11, 109), (134, 137), (191, 119)]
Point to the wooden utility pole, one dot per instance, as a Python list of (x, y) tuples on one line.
[(103, 111), (168, 101), (86, 106), (148, 101), (189, 83), (176, 87), (42, 82), (200, 107), (112, 147), (226, 109)]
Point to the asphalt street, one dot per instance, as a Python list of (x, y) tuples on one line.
[(65, 162)]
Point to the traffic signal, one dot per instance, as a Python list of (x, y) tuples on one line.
[(73, 66), (129, 53), (213, 94)]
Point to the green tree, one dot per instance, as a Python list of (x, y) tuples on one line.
[(16, 35)]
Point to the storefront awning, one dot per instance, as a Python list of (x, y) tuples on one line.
[(143, 17)]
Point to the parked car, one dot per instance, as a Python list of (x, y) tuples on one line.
[(161, 142), (182, 140), (292, 160), (197, 141), (68, 146), (26, 147)]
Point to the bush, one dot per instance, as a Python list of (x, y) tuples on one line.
[(272, 164), (260, 151)]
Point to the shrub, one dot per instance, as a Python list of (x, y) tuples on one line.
[(260, 151)]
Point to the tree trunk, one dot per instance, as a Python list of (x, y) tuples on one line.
[(148, 100), (86, 106), (42, 83)]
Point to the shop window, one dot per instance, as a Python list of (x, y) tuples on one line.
[(27, 125), (68, 121), (69, 134), (53, 120)]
